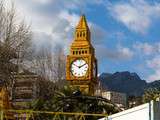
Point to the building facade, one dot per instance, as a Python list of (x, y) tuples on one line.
[(26, 89), (120, 99)]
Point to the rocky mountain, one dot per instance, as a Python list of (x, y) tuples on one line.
[(155, 84), (126, 82)]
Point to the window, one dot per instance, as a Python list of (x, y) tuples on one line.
[(77, 34), (82, 52), (79, 52), (73, 52), (85, 51), (80, 34), (84, 34), (76, 52)]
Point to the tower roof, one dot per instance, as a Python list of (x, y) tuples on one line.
[(82, 23)]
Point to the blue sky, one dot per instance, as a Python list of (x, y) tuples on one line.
[(125, 33)]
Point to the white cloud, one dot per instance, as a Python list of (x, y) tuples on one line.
[(147, 48), (154, 64), (52, 22), (149, 53), (155, 76), (125, 52), (119, 53), (72, 19), (136, 15), (98, 34), (41, 38), (43, 1)]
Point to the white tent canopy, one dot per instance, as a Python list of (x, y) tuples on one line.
[(148, 111)]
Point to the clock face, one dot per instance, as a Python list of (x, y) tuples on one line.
[(79, 68)]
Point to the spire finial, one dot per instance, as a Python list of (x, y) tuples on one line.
[(82, 23)]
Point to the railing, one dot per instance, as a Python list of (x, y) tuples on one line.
[(47, 115)]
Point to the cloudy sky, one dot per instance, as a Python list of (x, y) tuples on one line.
[(125, 33)]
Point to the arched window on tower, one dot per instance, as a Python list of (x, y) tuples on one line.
[(80, 34), (77, 34), (84, 34), (76, 52)]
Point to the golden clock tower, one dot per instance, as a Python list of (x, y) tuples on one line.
[(81, 66)]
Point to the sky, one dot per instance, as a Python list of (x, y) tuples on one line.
[(125, 33)]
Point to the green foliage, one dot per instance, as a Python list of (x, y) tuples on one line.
[(151, 94), (71, 100)]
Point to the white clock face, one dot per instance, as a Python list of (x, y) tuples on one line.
[(79, 68)]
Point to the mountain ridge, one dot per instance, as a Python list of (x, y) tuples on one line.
[(126, 82)]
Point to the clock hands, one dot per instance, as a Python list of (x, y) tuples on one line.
[(75, 65), (79, 66), (82, 65)]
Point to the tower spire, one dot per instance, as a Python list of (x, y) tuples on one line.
[(82, 23), (82, 32)]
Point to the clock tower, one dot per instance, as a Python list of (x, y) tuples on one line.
[(81, 66)]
